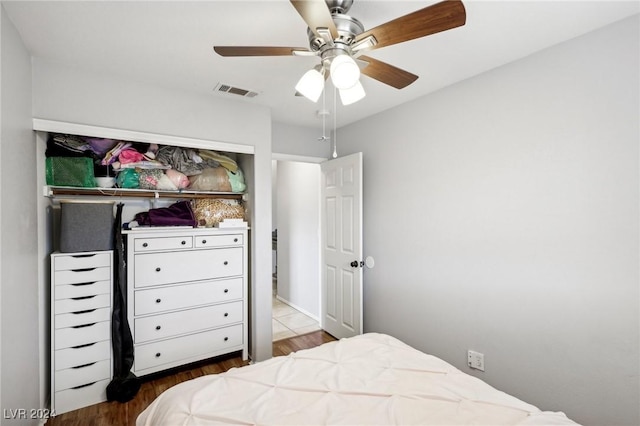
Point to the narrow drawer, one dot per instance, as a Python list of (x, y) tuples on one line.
[(69, 291), (187, 347), (81, 261), (160, 299), (189, 321), (218, 240), (81, 375), (76, 336), (82, 275), (162, 243), (191, 265), (72, 319), (80, 396), (82, 303), (81, 355)]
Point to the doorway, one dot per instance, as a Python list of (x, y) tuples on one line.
[(296, 247)]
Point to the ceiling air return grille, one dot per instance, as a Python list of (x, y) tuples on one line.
[(226, 88)]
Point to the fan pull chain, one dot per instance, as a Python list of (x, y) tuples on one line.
[(335, 128)]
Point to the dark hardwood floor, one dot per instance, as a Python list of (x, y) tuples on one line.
[(125, 414)]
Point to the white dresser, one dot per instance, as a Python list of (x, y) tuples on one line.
[(81, 356), (187, 295)]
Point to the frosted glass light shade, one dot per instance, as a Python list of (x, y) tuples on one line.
[(352, 94), (311, 85), (345, 73)]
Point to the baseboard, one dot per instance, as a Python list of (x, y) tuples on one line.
[(299, 309)]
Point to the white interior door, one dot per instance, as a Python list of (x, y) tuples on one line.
[(341, 217)]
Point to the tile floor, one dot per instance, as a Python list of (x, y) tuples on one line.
[(288, 322)]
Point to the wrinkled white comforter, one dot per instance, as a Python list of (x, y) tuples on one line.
[(371, 379)]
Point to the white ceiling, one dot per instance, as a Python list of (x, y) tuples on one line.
[(169, 43)]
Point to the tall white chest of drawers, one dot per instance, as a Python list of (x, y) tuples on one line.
[(81, 356), (187, 295)]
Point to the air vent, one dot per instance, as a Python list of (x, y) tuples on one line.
[(226, 88)]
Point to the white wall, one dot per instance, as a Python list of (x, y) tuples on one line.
[(20, 304), (301, 141), (503, 216), (298, 212), (71, 94)]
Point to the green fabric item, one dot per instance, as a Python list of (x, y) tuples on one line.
[(237, 181), (70, 171)]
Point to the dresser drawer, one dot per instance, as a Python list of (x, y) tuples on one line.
[(189, 321), (218, 240), (162, 243), (82, 275), (82, 303), (72, 319), (82, 396), (191, 265), (81, 261), (187, 347), (69, 291), (76, 336), (160, 299), (82, 375), (81, 355)]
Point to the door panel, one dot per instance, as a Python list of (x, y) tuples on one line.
[(341, 216)]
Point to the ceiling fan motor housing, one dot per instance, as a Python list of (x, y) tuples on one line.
[(348, 28)]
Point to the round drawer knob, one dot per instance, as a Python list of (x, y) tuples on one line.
[(158, 354), (226, 290), (235, 240), (225, 262), (158, 300), (158, 269), (226, 314), (158, 327), (145, 245), (183, 242), (226, 338), (204, 241)]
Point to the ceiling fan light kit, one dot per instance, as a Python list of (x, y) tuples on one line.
[(344, 71), (311, 85), (338, 39), (352, 94)]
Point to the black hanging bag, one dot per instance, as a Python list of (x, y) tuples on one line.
[(124, 385)]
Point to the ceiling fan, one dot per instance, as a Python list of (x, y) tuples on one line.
[(340, 40)]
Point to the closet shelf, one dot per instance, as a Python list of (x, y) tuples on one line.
[(66, 191)]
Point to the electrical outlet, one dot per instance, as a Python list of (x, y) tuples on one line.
[(475, 360)]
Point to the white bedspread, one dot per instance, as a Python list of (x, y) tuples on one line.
[(369, 379)]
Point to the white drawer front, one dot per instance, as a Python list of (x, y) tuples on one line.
[(194, 345), (90, 316), (82, 304), (82, 260), (189, 321), (68, 291), (192, 265), (162, 243), (82, 275), (72, 399), (218, 240), (78, 376), (68, 337), (81, 355), (169, 298)]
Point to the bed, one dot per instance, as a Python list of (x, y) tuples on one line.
[(368, 379)]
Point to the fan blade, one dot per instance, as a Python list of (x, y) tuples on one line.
[(430, 20), (316, 14), (257, 50), (387, 74)]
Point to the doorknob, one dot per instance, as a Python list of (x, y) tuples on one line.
[(355, 264)]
